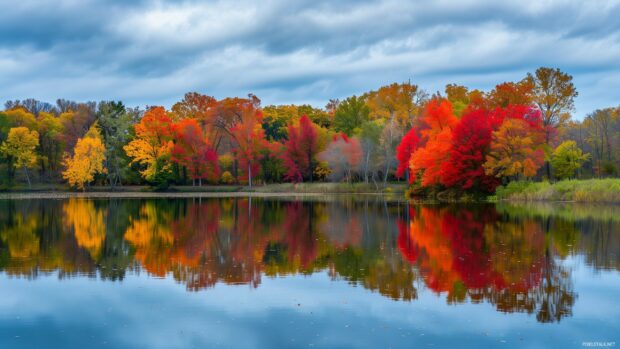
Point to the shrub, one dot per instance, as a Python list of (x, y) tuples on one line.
[(227, 178)]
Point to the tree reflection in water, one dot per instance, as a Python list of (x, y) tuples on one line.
[(510, 256)]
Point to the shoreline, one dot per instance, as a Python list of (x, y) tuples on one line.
[(170, 195), (270, 190)]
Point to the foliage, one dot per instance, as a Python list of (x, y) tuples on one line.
[(87, 160), (300, 150), (226, 161), (250, 141), (192, 151), (343, 156), (227, 178), (152, 143), (350, 115), (400, 103), (471, 141), (404, 150), (460, 142), (115, 122), (516, 148), (438, 122), (567, 158), (20, 146), (370, 140)]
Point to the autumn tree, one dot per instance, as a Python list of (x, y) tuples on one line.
[(87, 160), (471, 141), (554, 94), (195, 106), (50, 132), (404, 150), (397, 105), (438, 122), (512, 93), (343, 156), (461, 97), (516, 150), (228, 113), (76, 121), (21, 145), (18, 117), (300, 150), (192, 150), (567, 158), (250, 141), (152, 143)]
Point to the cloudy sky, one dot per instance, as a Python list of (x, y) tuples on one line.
[(286, 51)]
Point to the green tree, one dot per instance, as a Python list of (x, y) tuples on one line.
[(567, 158), (115, 122), (350, 115), (370, 135)]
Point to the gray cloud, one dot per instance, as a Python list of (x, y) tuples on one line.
[(151, 52)]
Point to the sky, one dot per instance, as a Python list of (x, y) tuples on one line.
[(149, 52)]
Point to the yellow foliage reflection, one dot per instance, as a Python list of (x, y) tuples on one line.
[(21, 238), (87, 223)]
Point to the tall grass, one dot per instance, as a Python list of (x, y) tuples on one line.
[(591, 190)]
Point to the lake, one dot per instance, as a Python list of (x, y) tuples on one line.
[(307, 272)]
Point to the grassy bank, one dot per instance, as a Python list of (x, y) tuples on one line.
[(591, 190), (331, 188)]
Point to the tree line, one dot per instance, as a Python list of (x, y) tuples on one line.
[(463, 139)]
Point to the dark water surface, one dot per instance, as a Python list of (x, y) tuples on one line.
[(334, 272)]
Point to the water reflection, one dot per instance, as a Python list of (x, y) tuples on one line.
[(509, 256)]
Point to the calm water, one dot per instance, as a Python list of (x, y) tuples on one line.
[(315, 273)]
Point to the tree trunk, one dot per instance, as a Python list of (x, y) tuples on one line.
[(388, 152), (366, 167), (27, 177), (311, 167), (250, 174)]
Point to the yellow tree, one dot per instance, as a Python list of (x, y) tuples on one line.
[(20, 145), (516, 150), (88, 223), (87, 160)]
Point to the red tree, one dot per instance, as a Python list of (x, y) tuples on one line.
[(471, 140), (192, 151), (407, 146), (300, 150), (249, 137), (438, 121)]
